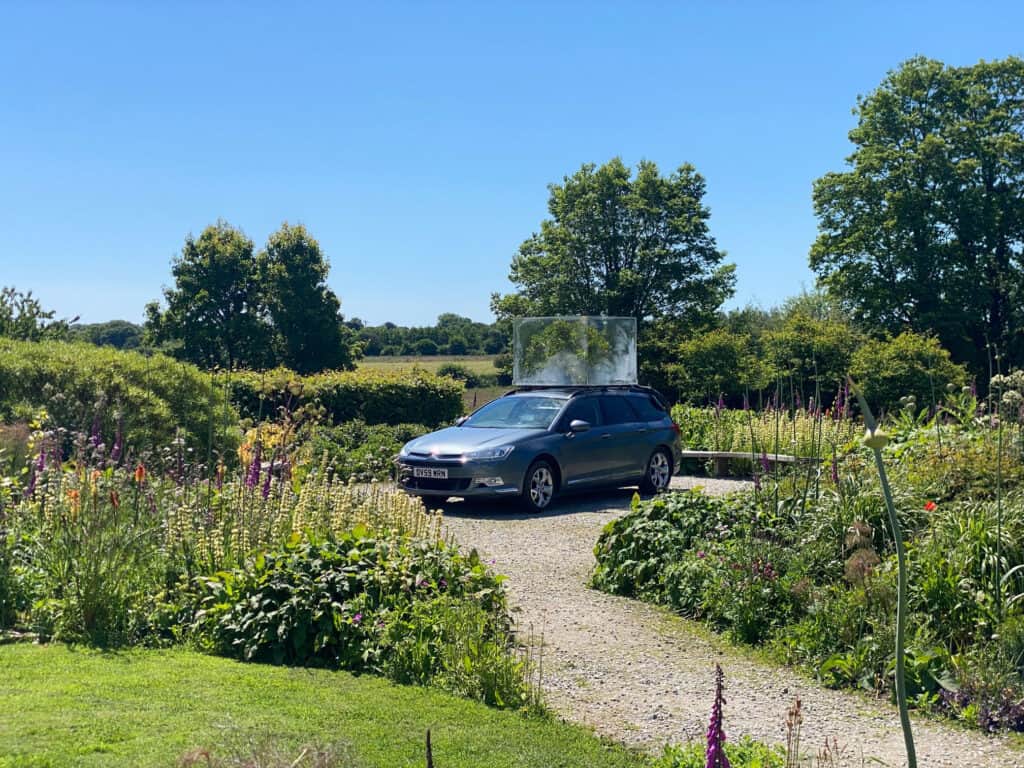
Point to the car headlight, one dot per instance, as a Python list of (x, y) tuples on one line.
[(490, 454), (405, 450)]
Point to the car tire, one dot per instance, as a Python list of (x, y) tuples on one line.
[(539, 487), (657, 473)]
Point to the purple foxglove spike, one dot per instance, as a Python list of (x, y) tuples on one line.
[(94, 433), (715, 754)]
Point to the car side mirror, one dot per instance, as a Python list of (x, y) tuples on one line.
[(578, 425), (460, 421)]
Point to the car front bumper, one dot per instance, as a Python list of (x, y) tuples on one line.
[(465, 479)]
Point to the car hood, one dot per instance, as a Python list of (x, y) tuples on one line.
[(455, 441)]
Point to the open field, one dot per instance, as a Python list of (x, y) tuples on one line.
[(483, 364), (64, 707)]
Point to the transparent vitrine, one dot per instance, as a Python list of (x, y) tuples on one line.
[(553, 351)]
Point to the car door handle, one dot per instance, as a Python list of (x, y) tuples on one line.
[(606, 436)]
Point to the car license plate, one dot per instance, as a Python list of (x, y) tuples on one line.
[(437, 474)]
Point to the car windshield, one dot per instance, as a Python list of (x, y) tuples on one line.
[(531, 412)]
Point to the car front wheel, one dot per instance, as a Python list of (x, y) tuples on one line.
[(658, 473), (539, 486)]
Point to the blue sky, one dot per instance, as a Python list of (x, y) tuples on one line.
[(416, 140)]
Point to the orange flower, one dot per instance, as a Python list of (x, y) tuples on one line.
[(140, 474), (96, 475), (930, 506), (74, 497), (115, 500)]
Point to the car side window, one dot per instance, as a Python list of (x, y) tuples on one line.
[(617, 410), (584, 409), (647, 408)]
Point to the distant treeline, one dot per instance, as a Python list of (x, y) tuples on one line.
[(119, 334), (451, 335)]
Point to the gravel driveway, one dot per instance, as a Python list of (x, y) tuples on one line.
[(638, 674)]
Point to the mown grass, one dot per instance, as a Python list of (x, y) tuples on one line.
[(65, 707), (475, 363)]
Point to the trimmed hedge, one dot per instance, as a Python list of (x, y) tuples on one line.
[(373, 396), (83, 386)]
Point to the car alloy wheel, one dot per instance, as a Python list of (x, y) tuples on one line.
[(659, 472), (541, 487)]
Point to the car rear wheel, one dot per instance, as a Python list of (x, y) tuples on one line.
[(659, 472), (539, 486)]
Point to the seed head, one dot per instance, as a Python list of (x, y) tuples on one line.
[(875, 440)]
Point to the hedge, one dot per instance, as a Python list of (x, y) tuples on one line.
[(82, 386), (374, 396)]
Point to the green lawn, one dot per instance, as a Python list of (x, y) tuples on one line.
[(68, 707), (475, 363)]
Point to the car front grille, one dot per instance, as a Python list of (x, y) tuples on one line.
[(452, 484)]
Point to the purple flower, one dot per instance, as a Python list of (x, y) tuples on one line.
[(720, 405), (716, 733), (357, 618), (442, 584), (757, 482), (94, 433), (252, 478), (799, 402), (835, 470), (701, 554), (765, 464), (266, 485), (115, 453)]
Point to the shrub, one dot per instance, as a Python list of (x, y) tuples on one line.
[(633, 551), (374, 396), (908, 364), (813, 354), (416, 610), (360, 452), (743, 753), (715, 363), (468, 376), (87, 388)]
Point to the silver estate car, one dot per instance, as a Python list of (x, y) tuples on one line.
[(534, 444)]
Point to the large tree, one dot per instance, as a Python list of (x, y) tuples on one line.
[(22, 317), (618, 244), (216, 312), (304, 310), (925, 229)]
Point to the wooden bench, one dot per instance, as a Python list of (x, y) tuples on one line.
[(722, 458)]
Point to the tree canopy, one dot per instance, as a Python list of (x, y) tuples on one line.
[(215, 315), (925, 229), (622, 245), (231, 307), (305, 312), (23, 318)]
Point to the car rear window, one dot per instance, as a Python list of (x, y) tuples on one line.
[(647, 407), (617, 410)]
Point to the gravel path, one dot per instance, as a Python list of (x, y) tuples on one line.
[(642, 676)]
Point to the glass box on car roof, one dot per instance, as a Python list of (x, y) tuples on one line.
[(574, 351)]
